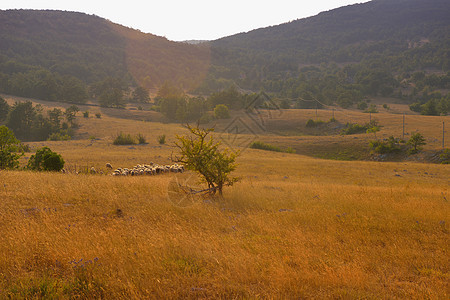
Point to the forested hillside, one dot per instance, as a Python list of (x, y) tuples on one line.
[(56, 55), (392, 48), (342, 55)]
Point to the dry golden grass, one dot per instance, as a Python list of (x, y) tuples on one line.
[(286, 128), (294, 227)]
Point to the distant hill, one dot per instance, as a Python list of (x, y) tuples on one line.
[(395, 48), (91, 48), (373, 46), (195, 42)]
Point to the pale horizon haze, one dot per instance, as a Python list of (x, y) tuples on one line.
[(189, 20)]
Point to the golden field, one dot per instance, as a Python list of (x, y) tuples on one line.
[(294, 227)]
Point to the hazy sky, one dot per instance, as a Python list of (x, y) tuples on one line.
[(189, 19)]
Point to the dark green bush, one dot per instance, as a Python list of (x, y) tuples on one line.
[(445, 157), (268, 147), (8, 159), (45, 160), (392, 145), (362, 105), (59, 136), (313, 124), (124, 139), (264, 146), (354, 129), (221, 111)]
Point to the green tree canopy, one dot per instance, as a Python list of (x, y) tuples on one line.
[(45, 160), (416, 141), (8, 158), (221, 111), (203, 155), (140, 95), (71, 113), (21, 118), (4, 109)]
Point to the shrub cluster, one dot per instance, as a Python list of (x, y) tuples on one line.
[(263, 146), (445, 157), (128, 139), (391, 145), (313, 124), (353, 128)]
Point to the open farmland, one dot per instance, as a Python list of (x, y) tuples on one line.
[(294, 227)]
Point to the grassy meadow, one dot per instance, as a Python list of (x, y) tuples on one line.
[(294, 227)]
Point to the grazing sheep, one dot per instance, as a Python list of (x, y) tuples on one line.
[(93, 170), (147, 169), (109, 166)]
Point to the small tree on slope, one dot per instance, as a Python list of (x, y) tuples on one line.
[(201, 154), (8, 143), (416, 142)]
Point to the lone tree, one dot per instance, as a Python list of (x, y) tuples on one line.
[(201, 154), (71, 112), (9, 159), (416, 141)]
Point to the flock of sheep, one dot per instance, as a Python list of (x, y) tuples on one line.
[(146, 169)]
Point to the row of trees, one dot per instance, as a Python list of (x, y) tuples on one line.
[(433, 104), (397, 145), (32, 123), (42, 84), (176, 105), (115, 92), (327, 83), (45, 85)]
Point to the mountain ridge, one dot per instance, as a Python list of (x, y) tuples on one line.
[(363, 49)]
